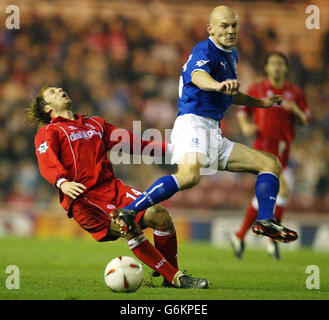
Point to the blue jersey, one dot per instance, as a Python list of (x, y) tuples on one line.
[(221, 65)]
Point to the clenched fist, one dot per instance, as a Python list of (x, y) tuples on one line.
[(229, 87)]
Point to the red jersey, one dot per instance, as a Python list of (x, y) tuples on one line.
[(275, 123), (76, 150)]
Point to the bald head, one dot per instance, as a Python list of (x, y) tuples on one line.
[(223, 26), (221, 13)]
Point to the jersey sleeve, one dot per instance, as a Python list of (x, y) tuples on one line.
[(47, 152), (127, 142), (200, 59)]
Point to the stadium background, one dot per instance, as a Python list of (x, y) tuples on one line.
[(121, 60)]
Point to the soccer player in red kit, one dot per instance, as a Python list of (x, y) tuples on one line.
[(274, 129), (72, 155)]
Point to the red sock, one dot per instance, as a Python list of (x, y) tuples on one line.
[(166, 242), (278, 213), (249, 219), (151, 256)]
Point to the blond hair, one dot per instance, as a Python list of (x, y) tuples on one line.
[(35, 114)]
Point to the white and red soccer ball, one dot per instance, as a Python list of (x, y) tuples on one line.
[(124, 274)]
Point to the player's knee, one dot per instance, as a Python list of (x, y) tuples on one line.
[(188, 179), (157, 217), (272, 164), (276, 166), (163, 219)]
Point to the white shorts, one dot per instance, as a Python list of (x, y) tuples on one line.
[(192, 133)]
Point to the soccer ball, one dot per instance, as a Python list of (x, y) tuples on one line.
[(124, 274)]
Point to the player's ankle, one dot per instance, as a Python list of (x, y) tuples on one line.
[(175, 281)]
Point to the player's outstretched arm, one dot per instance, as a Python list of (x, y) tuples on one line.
[(128, 142), (206, 82), (249, 101)]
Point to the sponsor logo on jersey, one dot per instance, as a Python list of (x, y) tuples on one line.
[(84, 135), (287, 95), (201, 63), (43, 147), (223, 64), (110, 206)]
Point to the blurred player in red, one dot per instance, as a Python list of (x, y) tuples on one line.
[(72, 154), (274, 129)]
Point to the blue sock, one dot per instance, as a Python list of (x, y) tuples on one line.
[(267, 189), (161, 190)]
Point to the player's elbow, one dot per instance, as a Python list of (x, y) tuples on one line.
[(198, 79)]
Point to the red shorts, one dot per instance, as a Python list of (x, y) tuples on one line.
[(92, 210), (280, 148)]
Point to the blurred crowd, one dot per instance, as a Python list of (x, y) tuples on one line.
[(126, 69)]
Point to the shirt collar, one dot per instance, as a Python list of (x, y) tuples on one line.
[(218, 46), (77, 117)]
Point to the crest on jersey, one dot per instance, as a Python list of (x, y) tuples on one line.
[(195, 142), (43, 147), (287, 95), (201, 63)]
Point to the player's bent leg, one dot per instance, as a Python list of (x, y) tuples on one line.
[(164, 235), (153, 258), (268, 168), (187, 176), (188, 173), (146, 252), (247, 159), (157, 217), (281, 202), (165, 241)]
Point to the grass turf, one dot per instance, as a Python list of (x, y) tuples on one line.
[(73, 269)]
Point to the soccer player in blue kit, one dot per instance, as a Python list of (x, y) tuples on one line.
[(208, 86)]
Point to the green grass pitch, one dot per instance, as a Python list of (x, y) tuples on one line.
[(73, 269)]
